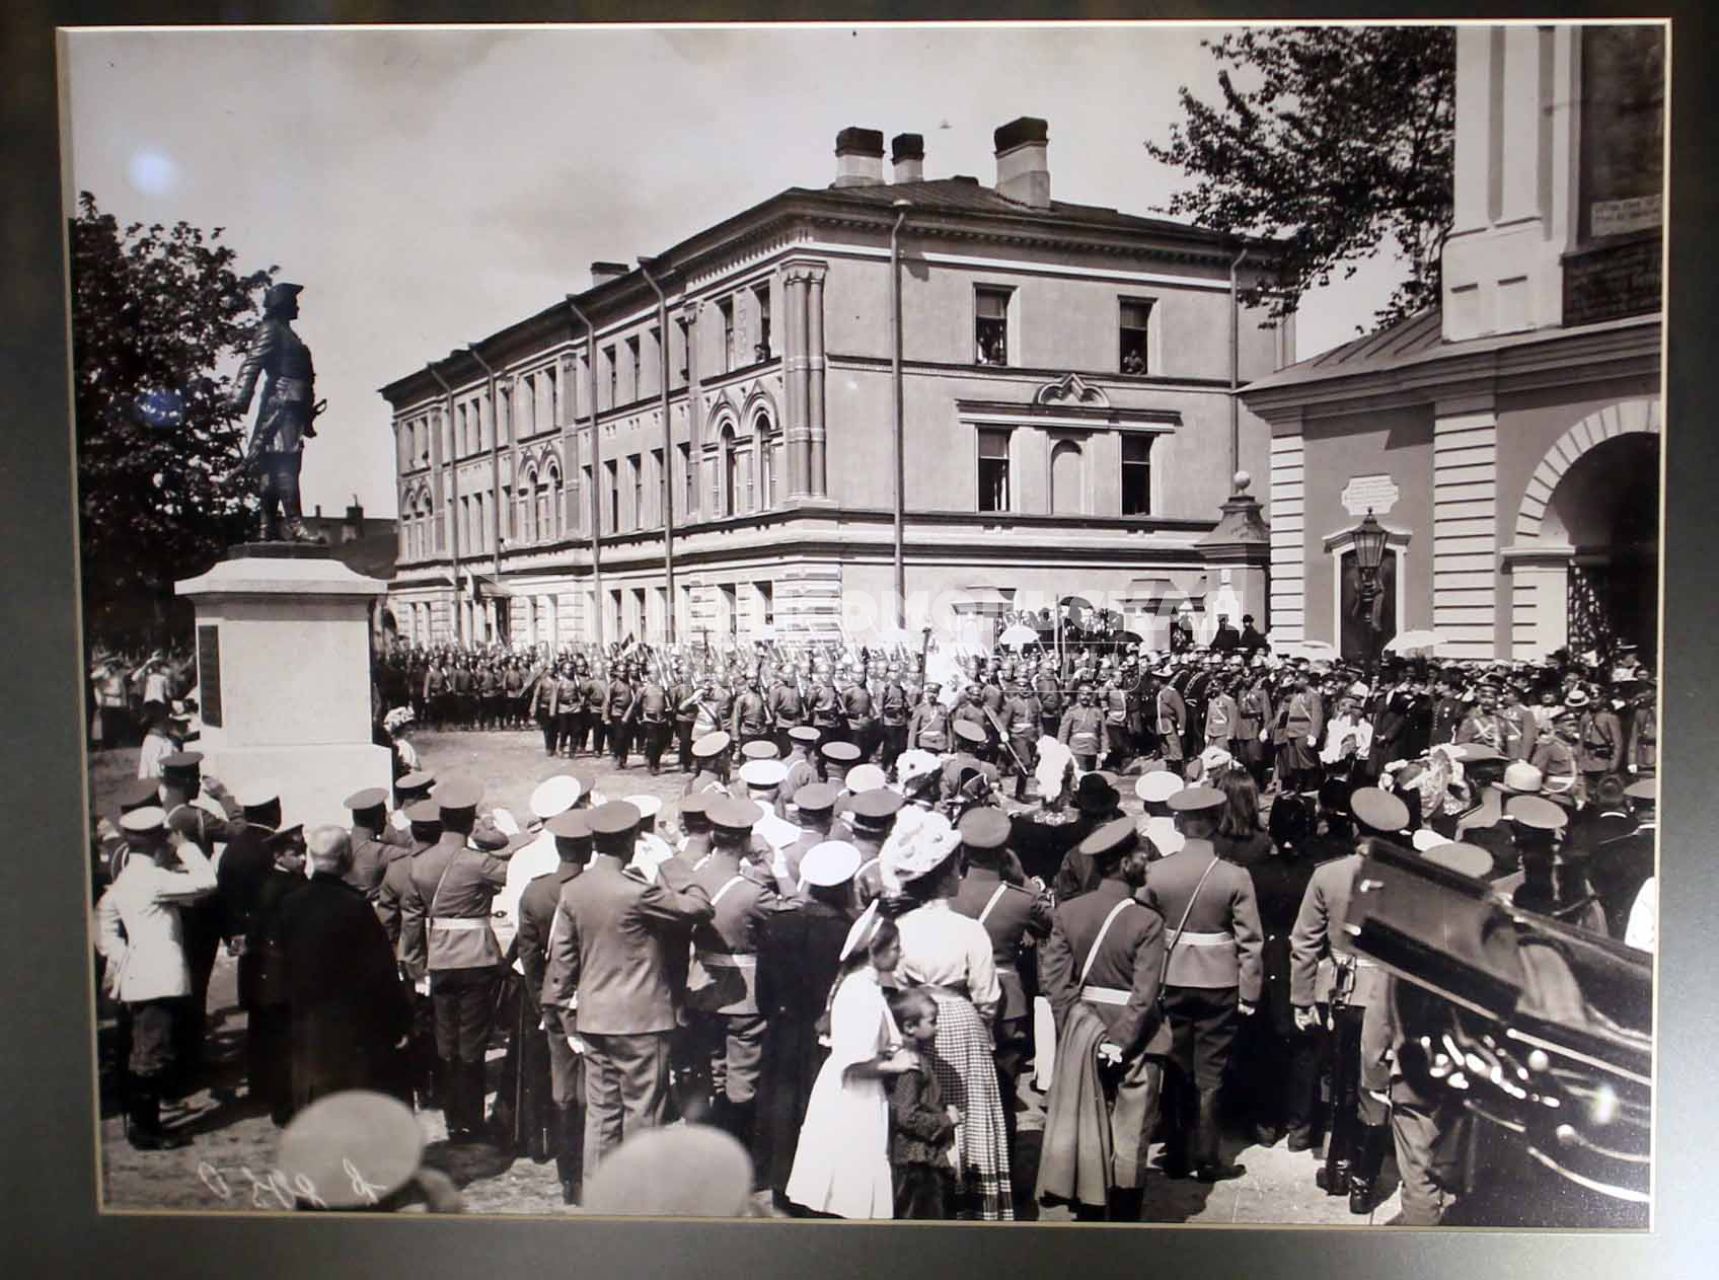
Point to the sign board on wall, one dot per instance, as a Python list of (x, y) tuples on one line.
[(209, 674), (1377, 494)]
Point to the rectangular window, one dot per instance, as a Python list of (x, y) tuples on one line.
[(1132, 335), (1136, 475), (615, 614), (726, 309), (613, 365), (762, 294), (683, 615), (636, 482), (657, 486), (614, 498), (654, 358), (731, 611), (503, 415), (767, 603), (685, 339), (579, 510), (637, 388), (688, 489), (554, 381), (659, 611), (991, 325), (993, 470), (638, 624)]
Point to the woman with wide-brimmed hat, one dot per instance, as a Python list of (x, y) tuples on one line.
[(950, 956)]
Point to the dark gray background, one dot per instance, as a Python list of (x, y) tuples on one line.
[(48, 1220)]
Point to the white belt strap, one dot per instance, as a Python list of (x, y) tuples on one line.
[(720, 893), (1105, 995), (995, 899), (1092, 953), (1206, 939), (459, 923)]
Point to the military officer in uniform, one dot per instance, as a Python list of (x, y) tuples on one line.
[(609, 985), (446, 939), (371, 838), (928, 728), (1213, 975), (1105, 955), (721, 990), (571, 831), (871, 816), (1017, 919), (895, 709), (1324, 970), (139, 937)]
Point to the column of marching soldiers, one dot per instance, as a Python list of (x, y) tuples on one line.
[(1173, 963)]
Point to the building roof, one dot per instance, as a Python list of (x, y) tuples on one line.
[(1416, 341), (955, 198), (968, 195)]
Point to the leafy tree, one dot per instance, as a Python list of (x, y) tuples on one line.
[(155, 311), (1346, 141)]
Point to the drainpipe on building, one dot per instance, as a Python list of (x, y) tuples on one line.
[(596, 485), (901, 209), (494, 476), (1235, 367), (668, 448), (453, 500)]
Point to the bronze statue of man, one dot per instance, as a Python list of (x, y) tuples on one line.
[(286, 418)]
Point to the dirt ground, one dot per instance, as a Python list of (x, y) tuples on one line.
[(227, 1167)]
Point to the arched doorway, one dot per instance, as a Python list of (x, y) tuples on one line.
[(1606, 509)]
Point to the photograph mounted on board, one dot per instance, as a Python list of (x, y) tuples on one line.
[(635, 672)]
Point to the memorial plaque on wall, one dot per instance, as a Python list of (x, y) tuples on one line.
[(1608, 282), (209, 674)]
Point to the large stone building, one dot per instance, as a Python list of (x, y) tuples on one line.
[(1066, 403), (1508, 439)]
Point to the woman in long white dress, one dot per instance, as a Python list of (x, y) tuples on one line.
[(841, 1164)]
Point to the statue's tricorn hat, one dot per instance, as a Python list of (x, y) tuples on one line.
[(280, 292)]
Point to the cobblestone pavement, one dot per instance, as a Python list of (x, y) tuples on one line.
[(228, 1164)]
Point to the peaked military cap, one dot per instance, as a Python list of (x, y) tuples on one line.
[(815, 797), (1195, 800), (182, 762), (967, 731), (728, 814), (572, 824), (711, 744), (615, 818), (369, 798), (984, 829), (1379, 810), (458, 794), (875, 806), (840, 752), (1111, 840)]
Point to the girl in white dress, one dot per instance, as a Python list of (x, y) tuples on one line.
[(841, 1165)]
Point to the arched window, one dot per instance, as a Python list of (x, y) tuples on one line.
[(557, 500), (545, 525), (1066, 479), (766, 446), (527, 497), (730, 471)]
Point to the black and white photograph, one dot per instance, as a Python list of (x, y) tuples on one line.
[(982, 623)]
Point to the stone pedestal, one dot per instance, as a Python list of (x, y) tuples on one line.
[(283, 669), (1237, 555)]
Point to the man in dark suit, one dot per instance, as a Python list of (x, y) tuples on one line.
[(264, 992), (607, 986), (349, 1012), (572, 834), (1214, 975), (1106, 952)]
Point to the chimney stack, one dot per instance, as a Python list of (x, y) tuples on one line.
[(603, 272), (1023, 168), (859, 157), (907, 157)]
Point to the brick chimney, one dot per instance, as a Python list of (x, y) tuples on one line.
[(603, 272), (907, 157), (1023, 169), (859, 158)]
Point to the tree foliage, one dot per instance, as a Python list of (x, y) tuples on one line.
[(1345, 142), (155, 311)]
